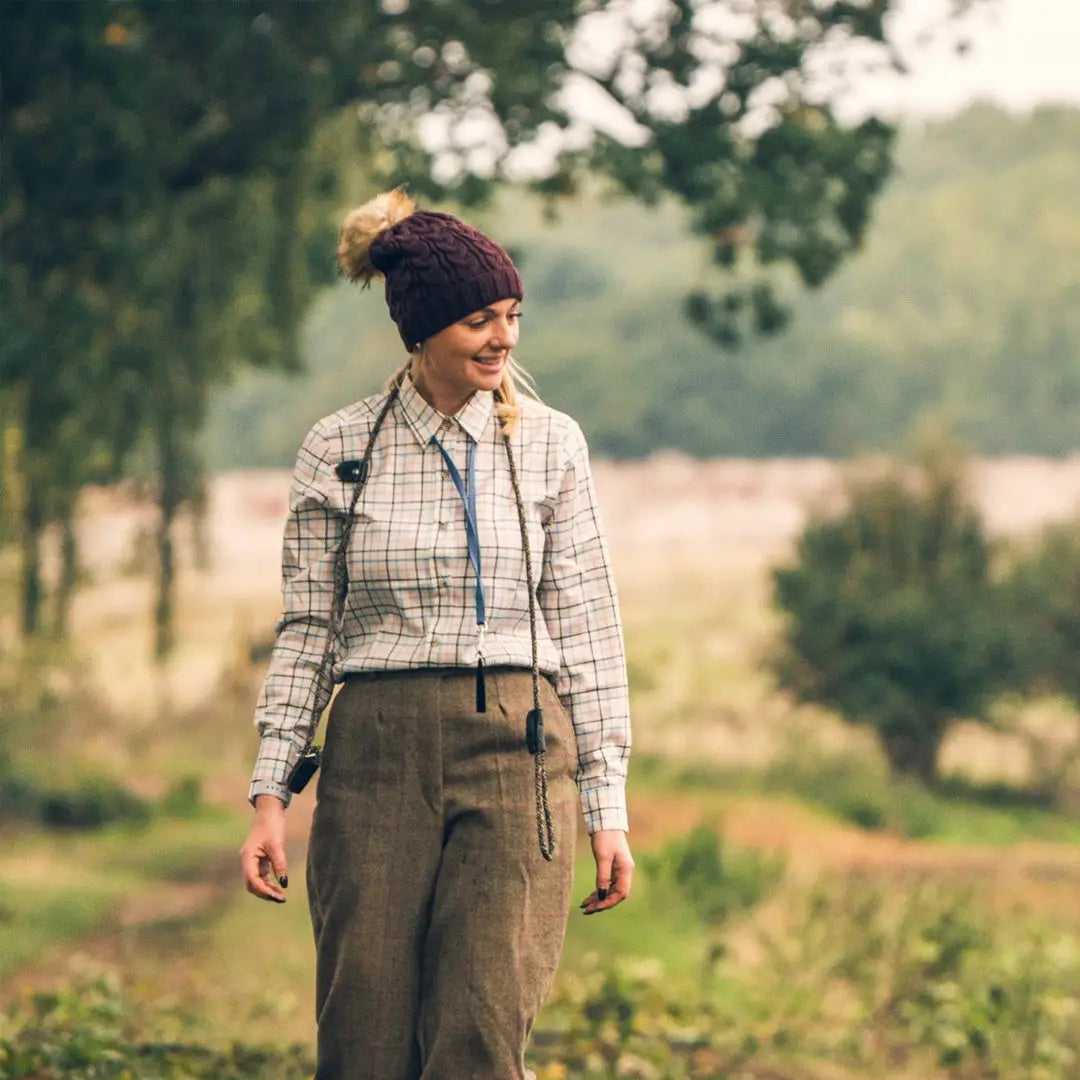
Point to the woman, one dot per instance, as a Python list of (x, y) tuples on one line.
[(476, 634)]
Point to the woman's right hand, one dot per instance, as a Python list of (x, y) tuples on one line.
[(264, 850)]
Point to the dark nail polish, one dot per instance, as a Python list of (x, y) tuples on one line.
[(601, 893), (284, 879)]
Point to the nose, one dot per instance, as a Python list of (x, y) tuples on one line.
[(504, 333)]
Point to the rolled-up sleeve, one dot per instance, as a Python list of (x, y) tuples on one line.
[(292, 693), (581, 611)]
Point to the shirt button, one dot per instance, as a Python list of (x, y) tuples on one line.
[(434, 640), (447, 582)]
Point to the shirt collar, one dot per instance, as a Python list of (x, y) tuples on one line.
[(424, 420)]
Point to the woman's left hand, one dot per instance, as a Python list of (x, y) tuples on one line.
[(614, 871)]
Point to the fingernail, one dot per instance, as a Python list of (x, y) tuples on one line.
[(602, 893), (284, 879)]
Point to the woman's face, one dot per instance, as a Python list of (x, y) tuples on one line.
[(467, 355)]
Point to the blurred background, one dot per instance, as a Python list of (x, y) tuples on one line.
[(808, 275)]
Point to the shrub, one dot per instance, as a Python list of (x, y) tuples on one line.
[(892, 617), (183, 799), (92, 805), (716, 879), (84, 1033)]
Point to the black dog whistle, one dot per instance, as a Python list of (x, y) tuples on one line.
[(352, 472), (534, 731)]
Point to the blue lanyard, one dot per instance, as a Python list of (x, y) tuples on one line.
[(472, 535)]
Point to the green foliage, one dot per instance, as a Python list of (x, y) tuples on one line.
[(843, 977), (963, 270), (183, 799), (92, 803), (893, 619), (717, 879), (1043, 590), (166, 197), (858, 791), (84, 1033)]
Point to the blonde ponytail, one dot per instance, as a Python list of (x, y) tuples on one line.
[(516, 382)]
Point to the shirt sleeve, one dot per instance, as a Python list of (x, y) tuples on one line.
[(577, 596), (291, 694)]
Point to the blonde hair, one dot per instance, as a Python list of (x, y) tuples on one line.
[(516, 383)]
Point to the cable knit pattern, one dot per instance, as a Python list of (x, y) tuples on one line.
[(438, 269)]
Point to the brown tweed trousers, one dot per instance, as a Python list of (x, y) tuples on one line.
[(438, 924)]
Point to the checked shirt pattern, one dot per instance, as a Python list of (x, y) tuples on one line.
[(410, 602)]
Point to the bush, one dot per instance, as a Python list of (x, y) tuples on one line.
[(84, 1033), (92, 804), (183, 799), (841, 977), (716, 879), (892, 617)]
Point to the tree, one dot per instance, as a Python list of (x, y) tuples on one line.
[(893, 618), (133, 130), (155, 159)]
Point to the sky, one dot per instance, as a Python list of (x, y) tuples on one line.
[(1023, 52)]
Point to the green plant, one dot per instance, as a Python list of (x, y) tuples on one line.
[(892, 617), (718, 879), (183, 799), (88, 1032), (93, 804)]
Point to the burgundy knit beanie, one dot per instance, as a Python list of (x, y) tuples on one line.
[(437, 268)]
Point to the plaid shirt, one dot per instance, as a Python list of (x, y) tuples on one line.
[(410, 602)]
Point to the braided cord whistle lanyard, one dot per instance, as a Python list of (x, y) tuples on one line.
[(534, 723)]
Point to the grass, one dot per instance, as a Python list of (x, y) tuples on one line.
[(659, 926), (59, 887), (33, 919), (715, 742), (850, 790)]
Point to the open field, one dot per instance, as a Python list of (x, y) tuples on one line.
[(698, 535), (161, 907)]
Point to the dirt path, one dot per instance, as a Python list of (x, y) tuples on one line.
[(1032, 877), (1027, 877)]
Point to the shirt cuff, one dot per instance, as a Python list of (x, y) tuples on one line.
[(604, 807), (275, 760), (269, 787)]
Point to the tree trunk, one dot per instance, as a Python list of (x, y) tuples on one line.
[(69, 566), (33, 524), (199, 505), (169, 499), (914, 754)]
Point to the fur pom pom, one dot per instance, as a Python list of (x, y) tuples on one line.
[(362, 226)]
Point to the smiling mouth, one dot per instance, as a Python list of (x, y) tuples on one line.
[(488, 361)]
